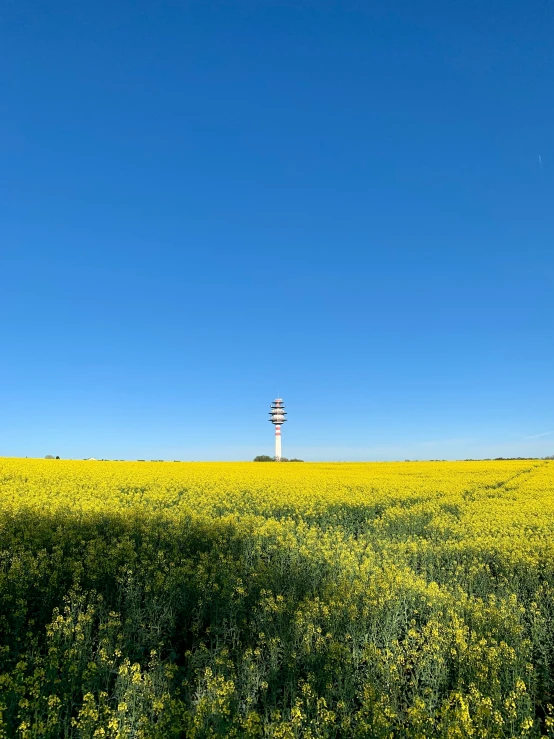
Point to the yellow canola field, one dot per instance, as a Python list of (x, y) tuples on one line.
[(499, 503), (215, 488), (283, 600)]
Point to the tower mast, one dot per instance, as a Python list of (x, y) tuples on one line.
[(277, 418)]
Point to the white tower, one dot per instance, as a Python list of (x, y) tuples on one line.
[(277, 417)]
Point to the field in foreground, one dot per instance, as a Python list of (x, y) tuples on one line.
[(251, 600)]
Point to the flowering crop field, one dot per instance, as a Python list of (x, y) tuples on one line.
[(276, 600)]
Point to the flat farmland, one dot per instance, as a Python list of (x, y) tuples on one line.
[(149, 599)]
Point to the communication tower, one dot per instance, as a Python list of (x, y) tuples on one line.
[(277, 418)]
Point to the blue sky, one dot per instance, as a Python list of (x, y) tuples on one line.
[(205, 203)]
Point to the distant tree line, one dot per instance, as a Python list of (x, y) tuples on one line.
[(507, 459), (266, 458)]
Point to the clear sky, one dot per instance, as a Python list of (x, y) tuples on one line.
[(204, 204)]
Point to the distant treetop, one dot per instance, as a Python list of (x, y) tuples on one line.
[(266, 458)]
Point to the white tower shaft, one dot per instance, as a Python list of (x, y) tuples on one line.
[(277, 416), (278, 443)]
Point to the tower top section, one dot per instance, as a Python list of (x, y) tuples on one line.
[(277, 414)]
